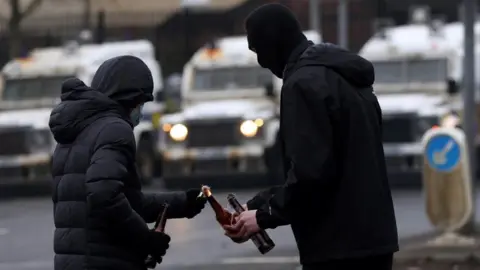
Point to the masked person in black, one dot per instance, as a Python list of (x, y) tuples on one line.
[(100, 213), (336, 196)]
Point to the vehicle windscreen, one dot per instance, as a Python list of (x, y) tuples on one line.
[(411, 71), (33, 89), (231, 78)]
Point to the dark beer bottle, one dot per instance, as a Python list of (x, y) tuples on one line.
[(159, 227), (261, 239), (223, 216)]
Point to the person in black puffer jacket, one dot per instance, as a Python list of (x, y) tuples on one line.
[(100, 213)]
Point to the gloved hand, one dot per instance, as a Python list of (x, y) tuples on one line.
[(194, 204), (159, 243)]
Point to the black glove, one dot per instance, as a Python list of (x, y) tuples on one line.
[(194, 204), (159, 243)]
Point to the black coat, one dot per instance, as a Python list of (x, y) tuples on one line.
[(336, 196), (100, 213)]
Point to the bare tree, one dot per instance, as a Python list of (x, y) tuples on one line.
[(17, 15)]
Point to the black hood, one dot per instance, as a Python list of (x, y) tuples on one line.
[(79, 107), (124, 79), (355, 69), (120, 84), (273, 32)]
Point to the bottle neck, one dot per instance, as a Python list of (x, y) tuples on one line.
[(162, 222)]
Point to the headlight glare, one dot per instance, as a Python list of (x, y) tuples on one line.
[(178, 132), (248, 128)]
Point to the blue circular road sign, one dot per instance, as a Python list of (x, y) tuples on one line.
[(443, 153)]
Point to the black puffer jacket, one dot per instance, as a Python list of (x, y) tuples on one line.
[(100, 213)]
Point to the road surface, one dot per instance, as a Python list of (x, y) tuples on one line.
[(26, 233)]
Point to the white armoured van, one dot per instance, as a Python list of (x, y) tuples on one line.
[(229, 122), (31, 88)]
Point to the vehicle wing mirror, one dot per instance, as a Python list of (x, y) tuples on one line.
[(452, 87), (269, 91), (160, 96)]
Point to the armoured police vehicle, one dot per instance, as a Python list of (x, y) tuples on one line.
[(32, 88), (229, 121), (417, 75)]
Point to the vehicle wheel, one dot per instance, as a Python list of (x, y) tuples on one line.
[(146, 162), (274, 164)]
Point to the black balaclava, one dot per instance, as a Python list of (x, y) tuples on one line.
[(273, 33)]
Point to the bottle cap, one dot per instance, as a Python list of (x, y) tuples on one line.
[(206, 191)]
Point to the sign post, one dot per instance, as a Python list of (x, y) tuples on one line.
[(469, 96), (447, 180)]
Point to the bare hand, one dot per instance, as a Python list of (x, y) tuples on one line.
[(245, 226), (230, 233)]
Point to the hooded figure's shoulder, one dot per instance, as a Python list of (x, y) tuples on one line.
[(355, 69), (83, 112), (114, 132)]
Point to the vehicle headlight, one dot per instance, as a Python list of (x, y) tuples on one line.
[(178, 132), (248, 128)]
